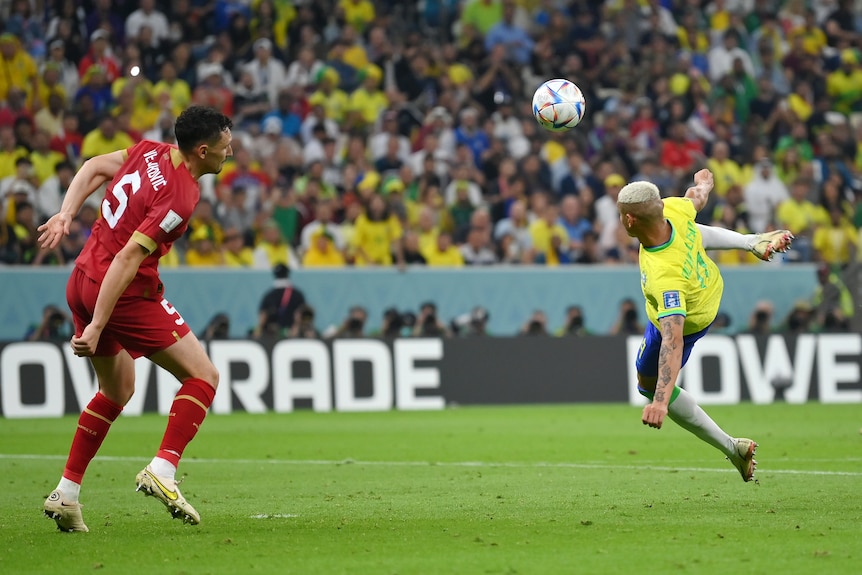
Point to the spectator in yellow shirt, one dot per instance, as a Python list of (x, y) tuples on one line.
[(172, 90), (357, 13), (813, 37), (328, 95), (798, 214), (322, 252), (44, 159), (106, 138), (443, 253), (10, 151), (726, 171), (844, 85), (234, 251), (543, 231), (836, 243), (377, 235), (202, 252), (17, 69), (368, 101), (272, 250)]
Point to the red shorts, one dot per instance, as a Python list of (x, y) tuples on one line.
[(139, 325)]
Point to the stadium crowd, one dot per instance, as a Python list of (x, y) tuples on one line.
[(400, 133)]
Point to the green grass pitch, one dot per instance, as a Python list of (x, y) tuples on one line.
[(502, 490)]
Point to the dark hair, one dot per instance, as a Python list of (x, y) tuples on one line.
[(199, 124)]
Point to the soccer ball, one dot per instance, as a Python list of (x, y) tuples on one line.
[(558, 105)]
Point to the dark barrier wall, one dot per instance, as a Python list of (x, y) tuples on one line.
[(46, 380)]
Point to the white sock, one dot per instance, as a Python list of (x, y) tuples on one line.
[(688, 415), (71, 490), (715, 238), (163, 468)]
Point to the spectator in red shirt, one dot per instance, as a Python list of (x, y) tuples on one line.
[(101, 55), (678, 153)]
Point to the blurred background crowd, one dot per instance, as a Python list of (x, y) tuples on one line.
[(381, 133)]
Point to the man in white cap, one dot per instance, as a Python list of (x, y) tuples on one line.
[(268, 72)]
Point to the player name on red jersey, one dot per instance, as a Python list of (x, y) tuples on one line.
[(154, 173)]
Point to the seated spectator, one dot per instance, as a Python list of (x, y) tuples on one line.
[(105, 139), (763, 194), (211, 89), (322, 251), (574, 222), (513, 235), (443, 253), (835, 243), (272, 250), (302, 71), (50, 194), (378, 234), (234, 251), (368, 101), (427, 228), (412, 250), (550, 240), (202, 251), (171, 90), (478, 250), (801, 217)]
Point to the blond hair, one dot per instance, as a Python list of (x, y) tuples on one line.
[(638, 193)]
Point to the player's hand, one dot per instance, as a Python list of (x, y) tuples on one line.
[(704, 177), (85, 346), (53, 230), (654, 415)]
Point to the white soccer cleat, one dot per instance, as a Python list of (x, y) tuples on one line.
[(67, 514), (744, 458), (167, 491), (767, 244)]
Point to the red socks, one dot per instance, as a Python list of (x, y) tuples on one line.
[(93, 426), (187, 413)]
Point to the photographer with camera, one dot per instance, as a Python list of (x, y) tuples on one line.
[(536, 325), (55, 326), (353, 325), (471, 324), (427, 322), (760, 322), (303, 324), (628, 322), (574, 325), (396, 324)]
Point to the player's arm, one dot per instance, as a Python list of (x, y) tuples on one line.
[(120, 274), (669, 365), (92, 175), (699, 192)]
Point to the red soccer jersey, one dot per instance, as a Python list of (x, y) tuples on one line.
[(150, 200)]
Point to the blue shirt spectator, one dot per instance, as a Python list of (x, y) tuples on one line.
[(518, 43)]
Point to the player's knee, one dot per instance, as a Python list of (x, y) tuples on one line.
[(210, 375)]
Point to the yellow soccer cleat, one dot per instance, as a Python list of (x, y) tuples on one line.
[(167, 491)]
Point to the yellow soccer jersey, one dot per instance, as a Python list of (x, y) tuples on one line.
[(677, 277)]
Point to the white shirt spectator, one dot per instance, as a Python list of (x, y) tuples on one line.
[(307, 128), (148, 16), (378, 143), (302, 74), (762, 195), (607, 218), (269, 73), (49, 196)]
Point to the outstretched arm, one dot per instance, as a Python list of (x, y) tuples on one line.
[(669, 365), (95, 172), (699, 192)]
